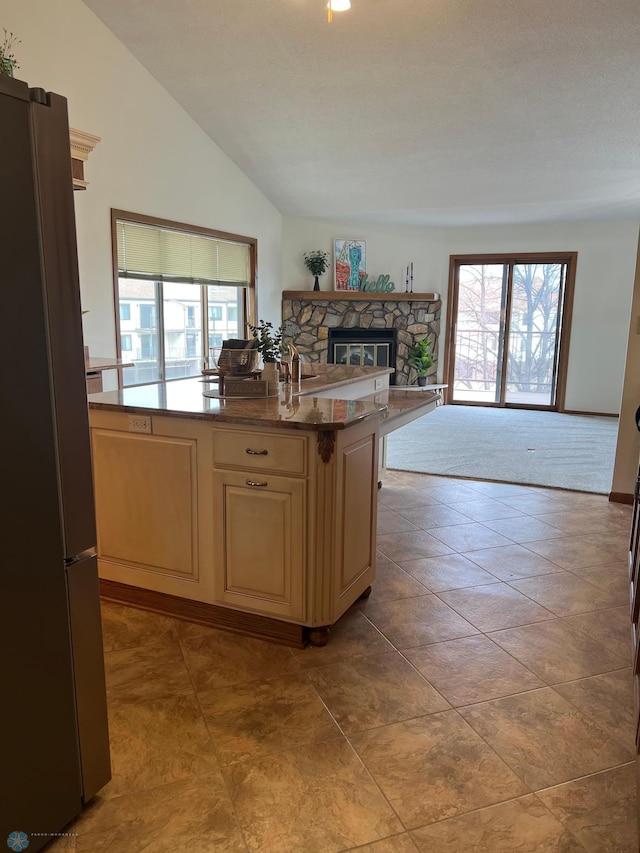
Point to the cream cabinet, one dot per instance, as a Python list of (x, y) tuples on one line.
[(259, 536), (154, 506), (241, 527)]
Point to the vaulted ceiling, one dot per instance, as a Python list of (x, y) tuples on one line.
[(440, 112)]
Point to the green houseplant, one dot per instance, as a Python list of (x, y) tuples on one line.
[(421, 359), (8, 62), (317, 262), (268, 341)]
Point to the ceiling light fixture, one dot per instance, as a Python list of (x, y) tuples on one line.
[(337, 6)]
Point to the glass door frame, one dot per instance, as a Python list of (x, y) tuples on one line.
[(564, 327)]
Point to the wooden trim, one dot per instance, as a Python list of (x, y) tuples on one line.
[(251, 295), (450, 328), (82, 144), (515, 257), (565, 330), (593, 414), (621, 498), (568, 258), (116, 299), (211, 615), (326, 445), (358, 296)]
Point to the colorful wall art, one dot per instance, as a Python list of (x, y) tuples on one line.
[(349, 263)]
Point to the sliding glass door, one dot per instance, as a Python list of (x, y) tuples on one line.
[(506, 330)]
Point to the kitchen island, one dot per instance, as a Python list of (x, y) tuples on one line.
[(256, 515)]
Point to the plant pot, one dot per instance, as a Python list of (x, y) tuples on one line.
[(7, 66), (422, 380), (271, 373)]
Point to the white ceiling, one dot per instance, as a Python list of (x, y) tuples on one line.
[(441, 112)]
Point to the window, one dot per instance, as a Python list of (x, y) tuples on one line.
[(147, 316), (148, 346), (508, 321), (176, 277), (192, 345)]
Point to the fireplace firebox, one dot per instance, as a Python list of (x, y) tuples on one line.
[(366, 347)]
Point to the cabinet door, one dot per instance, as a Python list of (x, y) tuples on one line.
[(260, 535), (146, 502)]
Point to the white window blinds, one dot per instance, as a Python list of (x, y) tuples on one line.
[(161, 254)]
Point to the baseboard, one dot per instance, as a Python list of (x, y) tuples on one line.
[(211, 615), (620, 498), (593, 414)]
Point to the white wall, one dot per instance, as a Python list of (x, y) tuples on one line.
[(628, 447), (153, 158), (604, 281), (389, 249)]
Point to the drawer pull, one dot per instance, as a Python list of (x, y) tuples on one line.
[(256, 452), (257, 485)]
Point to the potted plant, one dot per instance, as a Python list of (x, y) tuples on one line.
[(8, 62), (268, 341), (421, 359), (317, 262)]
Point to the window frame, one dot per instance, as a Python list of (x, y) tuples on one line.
[(570, 259), (249, 297)]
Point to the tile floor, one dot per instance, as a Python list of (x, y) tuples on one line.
[(479, 700)]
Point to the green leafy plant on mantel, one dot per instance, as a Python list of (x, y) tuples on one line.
[(8, 62), (317, 262), (268, 341), (421, 359)]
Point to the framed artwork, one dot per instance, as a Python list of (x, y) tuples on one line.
[(349, 263)]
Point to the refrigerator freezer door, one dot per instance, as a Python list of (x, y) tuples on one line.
[(61, 291), (88, 666)]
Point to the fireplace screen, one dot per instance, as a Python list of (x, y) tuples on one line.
[(368, 355), (366, 347)]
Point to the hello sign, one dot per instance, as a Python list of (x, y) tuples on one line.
[(382, 284)]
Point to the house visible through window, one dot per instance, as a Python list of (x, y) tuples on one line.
[(172, 278), (147, 316), (148, 346)]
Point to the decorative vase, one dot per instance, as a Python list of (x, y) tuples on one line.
[(316, 283), (271, 373), (7, 66)]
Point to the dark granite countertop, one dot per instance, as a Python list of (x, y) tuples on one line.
[(295, 407)]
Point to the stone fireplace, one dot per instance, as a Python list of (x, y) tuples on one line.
[(398, 318)]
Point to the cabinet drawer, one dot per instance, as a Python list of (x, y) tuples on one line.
[(247, 449)]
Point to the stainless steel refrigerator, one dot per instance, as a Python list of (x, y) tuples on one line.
[(54, 748)]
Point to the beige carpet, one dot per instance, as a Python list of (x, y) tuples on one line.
[(508, 445)]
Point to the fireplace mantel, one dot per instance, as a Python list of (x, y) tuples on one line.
[(359, 296)]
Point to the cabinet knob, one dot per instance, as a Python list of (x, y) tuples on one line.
[(256, 485), (256, 452)]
